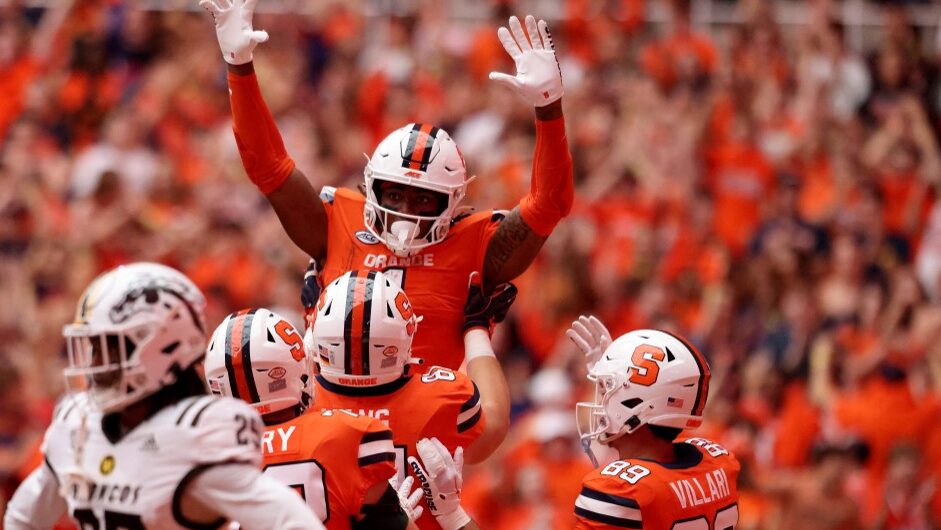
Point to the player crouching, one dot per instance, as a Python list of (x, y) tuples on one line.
[(339, 462), (650, 385)]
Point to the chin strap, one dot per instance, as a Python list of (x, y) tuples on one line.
[(586, 446)]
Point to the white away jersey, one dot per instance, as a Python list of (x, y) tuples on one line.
[(138, 482)]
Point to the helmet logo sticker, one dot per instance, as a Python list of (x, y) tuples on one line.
[(278, 372), (646, 370)]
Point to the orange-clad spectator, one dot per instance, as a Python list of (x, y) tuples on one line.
[(682, 56), (22, 59), (906, 493), (740, 180)]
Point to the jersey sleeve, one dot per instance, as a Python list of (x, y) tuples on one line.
[(459, 419), (327, 195), (56, 445), (376, 454), (608, 502), (242, 493), (486, 224), (375, 457), (222, 430), (36, 503)]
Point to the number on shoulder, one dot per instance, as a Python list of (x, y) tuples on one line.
[(714, 449), (624, 470), (438, 373)]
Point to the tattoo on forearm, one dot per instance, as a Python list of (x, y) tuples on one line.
[(510, 235)]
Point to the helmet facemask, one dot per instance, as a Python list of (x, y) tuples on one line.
[(420, 156), (104, 364), (406, 234)]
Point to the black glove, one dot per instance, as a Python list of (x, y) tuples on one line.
[(486, 311), (310, 292)]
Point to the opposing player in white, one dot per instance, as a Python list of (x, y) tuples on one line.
[(139, 444)]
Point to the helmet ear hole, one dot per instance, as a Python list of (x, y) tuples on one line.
[(270, 337), (631, 403), (389, 312)]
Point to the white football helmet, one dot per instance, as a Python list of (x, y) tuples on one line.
[(417, 155), (136, 328), (258, 356), (363, 332), (644, 377)]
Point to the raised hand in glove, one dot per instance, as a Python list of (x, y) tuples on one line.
[(441, 479), (590, 335), (233, 20), (538, 78), (486, 310)]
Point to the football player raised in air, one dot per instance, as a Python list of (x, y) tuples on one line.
[(408, 218), (650, 386), (362, 340), (340, 462), (141, 444)]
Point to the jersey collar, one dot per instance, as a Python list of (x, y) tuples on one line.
[(378, 390), (687, 456)]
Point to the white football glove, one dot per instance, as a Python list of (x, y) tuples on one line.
[(441, 482), (590, 335), (408, 499), (233, 20), (538, 76)]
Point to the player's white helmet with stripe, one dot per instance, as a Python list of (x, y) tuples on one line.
[(136, 328), (644, 377), (362, 335), (417, 155), (258, 356)]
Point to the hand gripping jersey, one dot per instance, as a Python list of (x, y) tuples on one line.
[(697, 492), (440, 403), (138, 481), (331, 458), (435, 278)]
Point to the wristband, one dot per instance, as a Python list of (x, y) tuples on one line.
[(477, 344)]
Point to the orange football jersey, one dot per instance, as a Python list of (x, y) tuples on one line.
[(696, 492), (331, 458), (435, 278), (441, 403)]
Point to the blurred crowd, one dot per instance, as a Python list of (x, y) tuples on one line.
[(768, 191)]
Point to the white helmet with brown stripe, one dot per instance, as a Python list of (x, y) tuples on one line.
[(137, 328), (362, 335), (423, 156), (645, 377), (257, 356)]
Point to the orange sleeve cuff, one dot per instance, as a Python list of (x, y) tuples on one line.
[(260, 145), (552, 187)]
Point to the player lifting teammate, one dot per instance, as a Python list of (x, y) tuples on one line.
[(408, 221), (362, 341), (650, 385), (340, 462), (144, 446)]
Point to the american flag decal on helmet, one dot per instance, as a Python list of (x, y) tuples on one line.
[(417, 153)]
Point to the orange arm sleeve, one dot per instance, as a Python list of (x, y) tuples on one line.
[(552, 187), (260, 146)]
